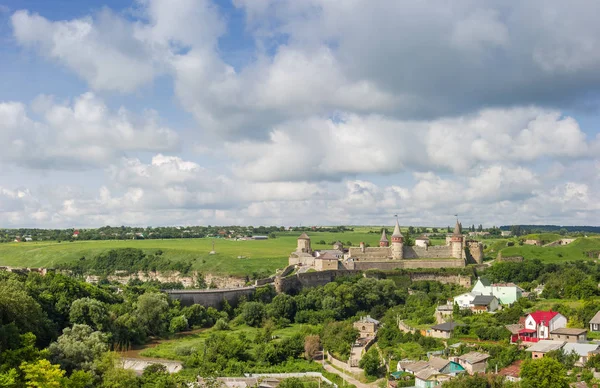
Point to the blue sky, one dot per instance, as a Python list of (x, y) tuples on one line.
[(157, 112)]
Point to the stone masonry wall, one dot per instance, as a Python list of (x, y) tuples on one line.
[(211, 298), (433, 252)]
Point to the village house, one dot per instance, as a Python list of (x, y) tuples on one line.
[(506, 233), (484, 303), (443, 330), (326, 261), (367, 327), (422, 241), (569, 334), (582, 350), (539, 349), (595, 322), (473, 362), (465, 301), (444, 312), (538, 326), (430, 377), (512, 372), (507, 293)]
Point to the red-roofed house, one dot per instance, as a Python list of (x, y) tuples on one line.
[(538, 326)]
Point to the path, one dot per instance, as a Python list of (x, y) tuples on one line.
[(346, 377)]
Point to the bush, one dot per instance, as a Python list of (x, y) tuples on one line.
[(179, 323), (221, 324)]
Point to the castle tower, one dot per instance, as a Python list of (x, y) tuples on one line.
[(304, 244), (397, 243), (456, 242), (383, 241)]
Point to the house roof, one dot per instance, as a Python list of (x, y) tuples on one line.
[(581, 349), (427, 373), (304, 236), (569, 331), (383, 236), (514, 328), (526, 331), (438, 363), (369, 320), (446, 326), (397, 230), (483, 300), (422, 238), (545, 316), (506, 285), (545, 346), (416, 366), (484, 281), (513, 370), (474, 357), (326, 256), (596, 318)]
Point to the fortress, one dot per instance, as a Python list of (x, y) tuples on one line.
[(458, 252)]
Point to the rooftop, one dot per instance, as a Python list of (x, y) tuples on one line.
[(569, 331), (425, 374), (474, 357), (513, 370), (483, 300), (447, 326), (484, 281), (546, 316), (304, 236), (369, 320), (596, 318), (581, 349), (545, 346), (514, 328)]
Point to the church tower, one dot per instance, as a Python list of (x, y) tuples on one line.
[(304, 244), (383, 241), (397, 243), (456, 241)]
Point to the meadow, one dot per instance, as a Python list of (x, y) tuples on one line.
[(574, 251), (236, 258)]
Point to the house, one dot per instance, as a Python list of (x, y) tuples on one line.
[(443, 330), (412, 367), (443, 312), (446, 366), (539, 349), (465, 301), (506, 233), (326, 261), (422, 241), (484, 303), (507, 293), (260, 237), (595, 322), (539, 324), (473, 362), (569, 334), (367, 326), (76, 234), (430, 377), (582, 350), (512, 372)]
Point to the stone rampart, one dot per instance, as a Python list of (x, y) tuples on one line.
[(211, 298), (464, 281), (434, 263), (432, 252), (294, 283)]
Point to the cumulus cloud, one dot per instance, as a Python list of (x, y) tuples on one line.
[(79, 134), (322, 148)]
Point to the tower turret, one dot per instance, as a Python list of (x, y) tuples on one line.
[(383, 241), (456, 241), (304, 244), (397, 243)]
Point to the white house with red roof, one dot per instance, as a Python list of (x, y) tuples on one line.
[(538, 326)]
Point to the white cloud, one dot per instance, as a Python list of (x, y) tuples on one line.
[(77, 134)]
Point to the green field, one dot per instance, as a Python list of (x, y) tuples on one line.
[(574, 251), (260, 256), (177, 349)]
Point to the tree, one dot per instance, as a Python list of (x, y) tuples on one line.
[(312, 345), (370, 362), (42, 374), (272, 235), (179, 323), (253, 313), (78, 348), (283, 306), (292, 382), (91, 312), (21, 309), (151, 310), (545, 372)]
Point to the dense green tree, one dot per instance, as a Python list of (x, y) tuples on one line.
[(283, 306), (337, 338), (370, 362), (91, 312), (17, 307), (42, 374), (253, 313), (151, 310), (544, 372), (178, 323), (78, 347)]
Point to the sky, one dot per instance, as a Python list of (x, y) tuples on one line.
[(287, 112)]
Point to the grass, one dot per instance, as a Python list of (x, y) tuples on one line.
[(544, 237), (236, 258), (574, 251), (178, 349)]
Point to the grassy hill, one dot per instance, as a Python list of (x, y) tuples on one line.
[(574, 251), (544, 237), (261, 256)]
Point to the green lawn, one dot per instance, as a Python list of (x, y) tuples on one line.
[(574, 251), (178, 349)]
